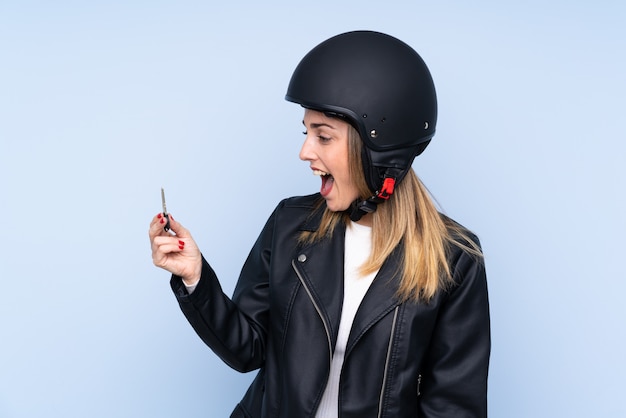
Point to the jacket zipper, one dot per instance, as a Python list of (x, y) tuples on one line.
[(419, 383), (387, 361), (317, 308)]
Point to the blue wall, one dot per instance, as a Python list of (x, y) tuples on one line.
[(102, 103)]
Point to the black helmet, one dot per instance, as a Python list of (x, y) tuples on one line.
[(384, 89)]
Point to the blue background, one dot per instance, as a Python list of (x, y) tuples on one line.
[(102, 103)]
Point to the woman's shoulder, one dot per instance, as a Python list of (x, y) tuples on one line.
[(459, 232), (309, 202), (299, 209), (463, 244)]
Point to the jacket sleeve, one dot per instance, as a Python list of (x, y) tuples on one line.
[(235, 329), (454, 379)]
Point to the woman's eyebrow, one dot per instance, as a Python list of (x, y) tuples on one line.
[(319, 125)]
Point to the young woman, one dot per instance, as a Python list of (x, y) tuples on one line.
[(361, 300)]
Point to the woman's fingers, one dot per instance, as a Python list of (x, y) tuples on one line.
[(174, 251), (164, 250), (168, 245), (158, 223), (156, 227), (178, 229)]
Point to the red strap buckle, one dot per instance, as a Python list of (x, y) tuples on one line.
[(387, 189)]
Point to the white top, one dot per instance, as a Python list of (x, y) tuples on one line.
[(357, 249)]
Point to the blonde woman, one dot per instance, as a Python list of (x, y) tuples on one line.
[(361, 300)]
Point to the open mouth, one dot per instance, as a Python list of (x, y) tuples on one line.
[(327, 181)]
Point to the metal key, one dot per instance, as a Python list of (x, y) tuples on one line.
[(165, 214)]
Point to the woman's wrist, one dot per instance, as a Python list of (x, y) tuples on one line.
[(193, 279), (191, 282)]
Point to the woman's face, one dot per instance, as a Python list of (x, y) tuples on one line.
[(326, 149)]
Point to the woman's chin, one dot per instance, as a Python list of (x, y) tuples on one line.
[(334, 206)]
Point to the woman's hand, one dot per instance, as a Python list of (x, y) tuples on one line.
[(176, 253)]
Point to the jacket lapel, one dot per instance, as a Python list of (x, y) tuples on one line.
[(323, 273), (321, 268), (380, 299)]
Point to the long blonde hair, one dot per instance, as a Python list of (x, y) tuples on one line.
[(409, 217)]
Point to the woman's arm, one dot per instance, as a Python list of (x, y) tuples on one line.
[(236, 332)]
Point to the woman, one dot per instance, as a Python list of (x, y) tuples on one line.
[(361, 300)]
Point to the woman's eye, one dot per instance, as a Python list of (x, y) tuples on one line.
[(322, 138)]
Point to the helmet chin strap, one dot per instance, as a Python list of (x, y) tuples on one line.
[(361, 208)]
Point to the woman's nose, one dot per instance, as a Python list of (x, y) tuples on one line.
[(306, 152)]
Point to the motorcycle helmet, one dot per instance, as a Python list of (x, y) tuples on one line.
[(384, 89)]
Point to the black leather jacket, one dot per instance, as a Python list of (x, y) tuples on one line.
[(402, 359)]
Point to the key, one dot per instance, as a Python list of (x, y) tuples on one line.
[(165, 214)]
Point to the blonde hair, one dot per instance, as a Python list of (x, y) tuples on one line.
[(409, 217)]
